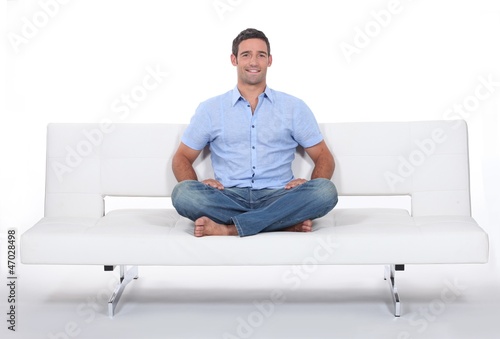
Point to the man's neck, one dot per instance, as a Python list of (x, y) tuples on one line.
[(251, 92)]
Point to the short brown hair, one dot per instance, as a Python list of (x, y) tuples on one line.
[(250, 33)]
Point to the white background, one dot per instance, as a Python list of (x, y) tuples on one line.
[(75, 60)]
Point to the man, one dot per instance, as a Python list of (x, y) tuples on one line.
[(253, 132)]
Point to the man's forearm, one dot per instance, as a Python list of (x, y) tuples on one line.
[(183, 169), (323, 168)]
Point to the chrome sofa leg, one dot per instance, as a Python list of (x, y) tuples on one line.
[(390, 275), (126, 276)]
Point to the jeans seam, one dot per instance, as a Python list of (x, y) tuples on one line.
[(238, 227)]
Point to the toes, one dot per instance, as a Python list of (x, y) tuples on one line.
[(198, 231), (199, 227)]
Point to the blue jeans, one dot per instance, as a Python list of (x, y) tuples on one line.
[(254, 211)]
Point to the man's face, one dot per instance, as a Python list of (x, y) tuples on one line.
[(252, 61)]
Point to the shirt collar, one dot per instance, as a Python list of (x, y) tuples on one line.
[(236, 95)]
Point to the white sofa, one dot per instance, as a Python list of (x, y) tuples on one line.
[(427, 161)]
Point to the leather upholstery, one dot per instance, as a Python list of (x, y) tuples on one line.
[(86, 162)]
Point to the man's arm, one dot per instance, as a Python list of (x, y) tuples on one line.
[(182, 166), (324, 164), (182, 163)]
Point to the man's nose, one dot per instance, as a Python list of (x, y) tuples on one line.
[(253, 61)]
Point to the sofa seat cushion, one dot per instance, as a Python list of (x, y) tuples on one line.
[(344, 236)]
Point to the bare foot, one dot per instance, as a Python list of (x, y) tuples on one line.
[(205, 226), (305, 226)]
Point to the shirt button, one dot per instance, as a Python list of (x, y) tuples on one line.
[(253, 126), (253, 147)]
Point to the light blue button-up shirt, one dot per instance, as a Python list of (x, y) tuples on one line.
[(252, 150)]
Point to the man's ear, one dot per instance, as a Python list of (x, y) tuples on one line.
[(270, 61), (234, 60)]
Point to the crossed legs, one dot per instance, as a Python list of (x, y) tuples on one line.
[(243, 212)]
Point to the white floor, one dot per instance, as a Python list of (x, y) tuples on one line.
[(446, 301)]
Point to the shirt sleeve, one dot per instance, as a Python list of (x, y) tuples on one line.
[(197, 134), (305, 127)]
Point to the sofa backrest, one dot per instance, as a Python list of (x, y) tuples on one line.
[(426, 160)]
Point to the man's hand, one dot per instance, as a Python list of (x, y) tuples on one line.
[(213, 183), (295, 183)]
